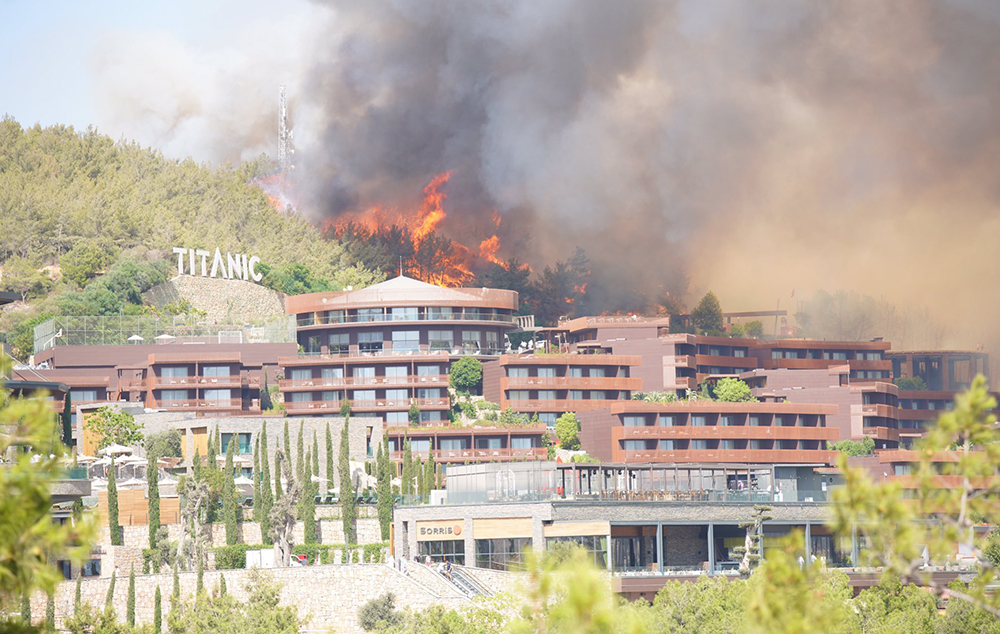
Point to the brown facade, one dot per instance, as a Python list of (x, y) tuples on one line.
[(459, 445), (867, 360), (709, 432), (941, 370)]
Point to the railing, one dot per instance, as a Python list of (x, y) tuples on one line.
[(740, 456), (166, 382), (387, 351), (574, 383), (684, 432), (368, 406), (331, 320), (457, 455), (436, 380), (657, 496), (196, 403)]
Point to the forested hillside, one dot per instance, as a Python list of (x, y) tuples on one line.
[(88, 223)]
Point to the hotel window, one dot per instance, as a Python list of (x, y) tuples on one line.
[(335, 317), (595, 546), (522, 443), (576, 373), (332, 373), (699, 444), (546, 373), (548, 418), (576, 395), (408, 313), (441, 339), (406, 340), (173, 395), (431, 417), (77, 396), (501, 554), (370, 342), (332, 397), (666, 445), (431, 393), (635, 445), (517, 395), (440, 551), (174, 371), (440, 312), (340, 343), (634, 421), (489, 443), (219, 397), (364, 375), (242, 440), (395, 372), (396, 397), (420, 445), (754, 444), (452, 444), (546, 395), (364, 396), (777, 354), (517, 373), (299, 397), (472, 340), (698, 421), (91, 568), (298, 374), (727, 444), (666, 420), (597, 395), (492, 342), (371, 314), (754, 420), (215, 370), (397, 417), (65, 568), (727, 421), (597, 372), (739, 352)]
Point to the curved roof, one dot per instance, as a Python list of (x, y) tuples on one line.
[(402, 291)]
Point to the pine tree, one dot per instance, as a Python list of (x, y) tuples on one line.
[(229, 495), (67, 421), (315, 455), (256, 480), (76, 597), (384, 491), (300, 467), (329, 458), (222, 585), (109, 599), (153, 488), (347, 502), (307, 508), (130, 606), (157, 612), (115, 530), (266, 494)]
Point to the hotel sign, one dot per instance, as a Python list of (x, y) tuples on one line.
[(439, 531), (232, 267)]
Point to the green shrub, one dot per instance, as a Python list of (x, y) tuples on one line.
[(233, 557), (380, 613)]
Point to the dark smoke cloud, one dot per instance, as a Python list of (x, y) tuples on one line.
[(763, 146)]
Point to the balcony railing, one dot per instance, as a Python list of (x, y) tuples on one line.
[(338, 320), (708, 432), (201, 404), (318, 357), (573, 383), (168, 382), (460, 455), (378, 405), (742, 456), (305, 385)]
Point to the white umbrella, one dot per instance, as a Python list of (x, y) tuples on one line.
[(167, 480), (317, 479), (131, 482), (114, 449), (84, 458), (132, 460), (237, 460), (135, 338), (103, 462), (243, 481)]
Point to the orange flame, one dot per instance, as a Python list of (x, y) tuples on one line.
[(431, 212), (488, 249)]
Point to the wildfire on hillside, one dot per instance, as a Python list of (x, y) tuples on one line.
[(276, 188)]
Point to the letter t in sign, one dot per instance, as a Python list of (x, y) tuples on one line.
[(181, 252)]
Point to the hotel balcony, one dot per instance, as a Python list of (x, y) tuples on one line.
[(181, 382), (378, 405), (715, 432), (311, 385), (571, 383), (462, 455), (205, 405), (741, 456)]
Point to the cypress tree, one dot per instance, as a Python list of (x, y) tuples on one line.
[(266, 494), (76, 598), (26, 609), (255, 471), (218, 442), (222, 585), (288, 448), (109, 599), (200, 587), (50, 613), (300, 467), (67, 421), (384, 491), (153, 488), (229, 495), (430, 481), (307, 508), (130, 606), (196, 464), (329, 458), (407, 484), (315, 455), (116, 534), (265, 395), (347, 502), (175, 594), (213, 451), (418, 468), (157, 612)]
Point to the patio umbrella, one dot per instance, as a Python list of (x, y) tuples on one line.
[(317, 479), (103, 462), (243, 481), (114, 450), (84, 458), (135, 339)]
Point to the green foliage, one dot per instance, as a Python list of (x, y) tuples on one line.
[(414, 414), (266, 500), (109, 598), (754, 329), (386, 471), (266, 404), (379, 613), (910, 383), (157, 612), (347, 501), (113, 526), (164, 444), (329, 458), (300, 468), (654, 397), (294, 279), (730, 390), (466, 375), (307, 506), (568, 431), (222, 584), (130, 605), (229, 495), (407, 477), (863, 447), (707, 315), (67, 420), (223, 614), (153, 497), (114, 426)]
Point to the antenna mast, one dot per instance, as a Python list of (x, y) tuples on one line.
[(285, 150)]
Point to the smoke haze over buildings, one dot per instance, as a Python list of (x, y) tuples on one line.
[(748, 148)]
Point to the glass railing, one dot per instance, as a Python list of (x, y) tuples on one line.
[(322, 320), (800, 496)]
